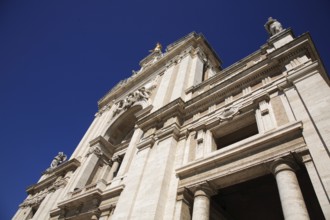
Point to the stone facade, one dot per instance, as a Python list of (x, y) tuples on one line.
[(183, 138)]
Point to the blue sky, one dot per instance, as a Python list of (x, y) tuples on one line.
[(57, 58)]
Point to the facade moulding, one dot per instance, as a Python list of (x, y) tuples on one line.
[(93, 196), (299, 46), (185, 195), (159, 66), (106, 147), (303, 72), (61, 170), (300, 74), (174, 108), (171, 131), (239, 174), (121, 148), (243, 102), (113, 192), (77, 200), (226, 155), (221, 91), (279, 55), (147, 143)]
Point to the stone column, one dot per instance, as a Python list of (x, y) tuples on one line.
[(114, 168), (292, 201), (201, 209)]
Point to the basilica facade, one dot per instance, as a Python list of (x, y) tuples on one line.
[(183, 138)]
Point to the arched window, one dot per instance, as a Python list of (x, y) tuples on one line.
[(122, 129)]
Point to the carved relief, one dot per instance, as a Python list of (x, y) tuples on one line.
[(95, 150), (35, 200), (60, 182), (229, 112), (141, 94)]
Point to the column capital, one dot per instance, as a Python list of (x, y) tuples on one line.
[(205, 189), (282, 164), (185, 195), (116, 158)]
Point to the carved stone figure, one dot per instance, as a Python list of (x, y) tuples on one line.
[(58, 159), (142, 94), (131, 98), (158, 48), (273, 26)]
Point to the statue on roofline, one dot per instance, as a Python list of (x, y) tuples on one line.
[(58, 159), (273, 27), (158, 48)]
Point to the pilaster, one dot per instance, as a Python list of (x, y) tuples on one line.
[(317, 185)]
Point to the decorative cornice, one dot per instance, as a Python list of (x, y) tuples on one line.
[(174, 108), (77, 200), (53, 175), (173, 131), (95, 150), (100, 146), (37, 198), (228, 154), (146, 143), (34, 200)]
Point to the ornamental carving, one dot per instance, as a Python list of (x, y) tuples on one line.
[(116, 158), (141, 94), (273, 27), (39, 197), (35, 200), (60, 182), (229, 112), (58, 159), (95, 150)]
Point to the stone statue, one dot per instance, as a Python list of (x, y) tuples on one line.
[(158, 48), (58, 159), (131, 98), (273, 26), (142, 93)]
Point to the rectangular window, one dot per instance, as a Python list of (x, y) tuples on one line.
[(235, 131)]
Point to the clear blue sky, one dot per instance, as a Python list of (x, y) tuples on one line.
[(57, 58)]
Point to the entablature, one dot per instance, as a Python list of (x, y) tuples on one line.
[(278, 58), (53, 174), (255, 151)]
